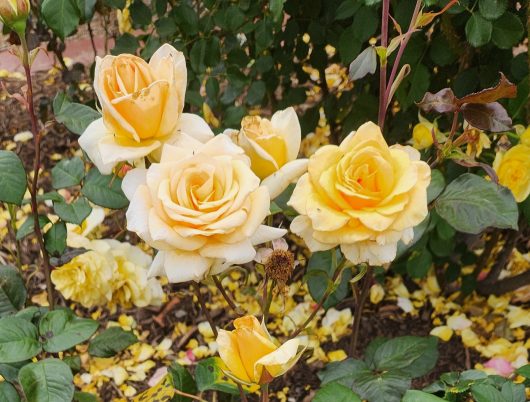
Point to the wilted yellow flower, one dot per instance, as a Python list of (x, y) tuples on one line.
[(142, 108), (273, 147), (513, 169), (251, 355), (110, 272), (361, 195), (201, 206), (14, 13), (86, 279), (478, 140)]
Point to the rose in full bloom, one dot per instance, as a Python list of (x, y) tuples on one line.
[(252, 356), (14, 13), (513, 169), (201, 207), (110, 273), (142, 108), (273, 147), (362, 195)]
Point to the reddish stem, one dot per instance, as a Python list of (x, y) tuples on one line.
[(382, 72), (36, 168)]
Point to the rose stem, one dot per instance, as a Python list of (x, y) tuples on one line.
[(36, 168), (268, 302), (242, 393), (13, 224), (185, 394), (395, 67), (329, 290), (382, 71), (265, 393), (228, 299), (361, 300), (205, 311)]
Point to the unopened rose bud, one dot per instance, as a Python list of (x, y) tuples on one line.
[(14, 13)]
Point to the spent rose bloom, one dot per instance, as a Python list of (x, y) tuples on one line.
[(251, 355), (142, 108), (201, 207), (513, 169), (272, 146), (362, 195), (110, 273)]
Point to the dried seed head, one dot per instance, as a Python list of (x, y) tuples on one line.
[(279, 266)]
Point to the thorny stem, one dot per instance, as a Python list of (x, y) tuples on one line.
[(228, 299), (205, 311), (382, 72), (329, 290), (242, 393), (395, 67), (367, 283), (265, 393), (36, 169)]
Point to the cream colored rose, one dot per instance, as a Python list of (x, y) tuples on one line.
[(513, 169), (201, 207), (142, 108), (361, 195), (272, 146)]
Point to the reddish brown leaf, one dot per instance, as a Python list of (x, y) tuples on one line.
[(490, 116), (442, 101), (504, 89)]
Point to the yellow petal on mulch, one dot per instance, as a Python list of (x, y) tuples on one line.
[(443, 332), (162, 392)]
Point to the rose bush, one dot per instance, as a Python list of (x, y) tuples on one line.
[(362, 195), (202, 207)]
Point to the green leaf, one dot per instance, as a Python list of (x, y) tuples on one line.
[(524, 371), (29, 226), (85, 397), (12, 290), (186, 19), (75, 212), (478, 30), (86, 9), (183, 381), (12, 178), (125, 43), (471, 204), (335, 392), (8, 393), (110, 342), (47, 380), (10, 371), (140, 13), (55, 239), (256, 93), (319, 273), (209, 376), (410, 355), (419, 263), (388, 386), (104, 191), (366, 22), (492, 9), (486, 393), (62, 16), (62, 330), (18, 340), (75, 116), (346, 9), (419, 396), (342, 372), (68, 173), (507, 31), (513, 392), (365, 63), (276, 7), (436, 186)]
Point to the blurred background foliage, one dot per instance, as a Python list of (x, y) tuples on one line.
[(250, 55)]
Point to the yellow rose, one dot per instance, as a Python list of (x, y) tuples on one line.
[(201, 207), (14, 13), (273, 147), (112, 273), (513, 169), (142, 108), (85, 279), (251, 355), (361, 195)]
